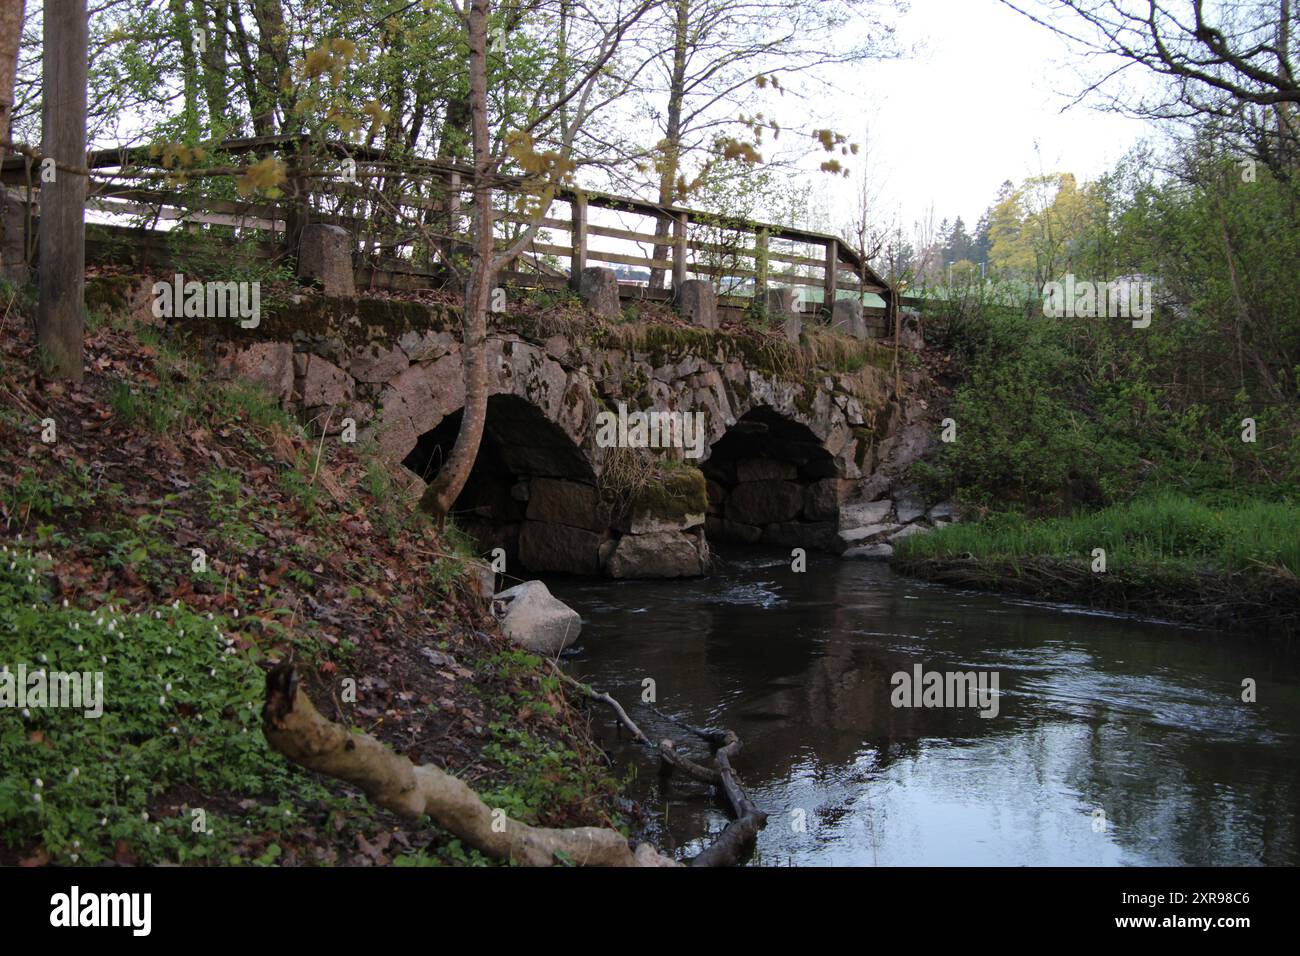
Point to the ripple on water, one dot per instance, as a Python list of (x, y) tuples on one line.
[(1142, 720), (756, 594)]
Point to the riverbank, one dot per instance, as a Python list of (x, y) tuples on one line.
[(1166, 556), (178, 535)]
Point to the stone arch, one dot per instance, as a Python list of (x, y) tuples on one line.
[(771, 480), (532, 490)]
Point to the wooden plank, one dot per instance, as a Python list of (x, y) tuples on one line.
[(746, 252), (546, 222), (723, 272), (174, 214), (793, 278), (550, 250), (109, 191), (532, 279), (647, 237)]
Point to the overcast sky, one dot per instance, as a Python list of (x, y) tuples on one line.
[(979, 104)]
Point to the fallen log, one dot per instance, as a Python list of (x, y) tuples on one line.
[(295, 729)]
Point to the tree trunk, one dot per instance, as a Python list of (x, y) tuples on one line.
[(670, 162), (11, 216), (185, 35), (214, 64), (272, 66), (441, 494), (11, 31), (60, 312)]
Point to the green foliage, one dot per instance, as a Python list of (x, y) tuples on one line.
[(545, 775), (1056, 413), (179, 720)]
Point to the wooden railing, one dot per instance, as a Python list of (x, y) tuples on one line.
[(408, 219)]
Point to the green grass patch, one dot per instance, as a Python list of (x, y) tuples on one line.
[(1162, 529)]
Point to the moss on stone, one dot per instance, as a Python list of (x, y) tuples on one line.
[(678, 490), (351, 323)]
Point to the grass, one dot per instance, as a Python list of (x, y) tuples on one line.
[(633, 481), (1165, 529)]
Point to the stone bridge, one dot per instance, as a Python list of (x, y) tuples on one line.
[(797, 439)]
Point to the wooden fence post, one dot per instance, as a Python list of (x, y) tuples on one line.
[(453, 202), (832, 277), (680, 222), (451, 208), (760, 267), (578, 240), (61, 308)]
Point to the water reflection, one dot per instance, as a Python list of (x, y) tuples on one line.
[(1098, 715)]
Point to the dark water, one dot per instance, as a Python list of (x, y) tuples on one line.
[(1141, 722)]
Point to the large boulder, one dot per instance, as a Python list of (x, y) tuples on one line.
[(377, 364), (943, 511), (846, 318), (783, 311), (697, 303), (906, 532), (765, 502), (720, 529), (535, 620), (908, 506), (864, 513), (662, 554), (871, 552), (676, 502), (821, 500), (325, 257), (598, 288), (802, 534), (268, 364), (766, 469), (781, 302), (322, 382), (571, 503), (558, 547)]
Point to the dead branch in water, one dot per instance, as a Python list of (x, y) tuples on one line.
[(739, 835), (294, 728)]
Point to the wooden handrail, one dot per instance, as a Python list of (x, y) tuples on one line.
[(440, 208)]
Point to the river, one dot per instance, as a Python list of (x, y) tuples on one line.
[(1115, 741)]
